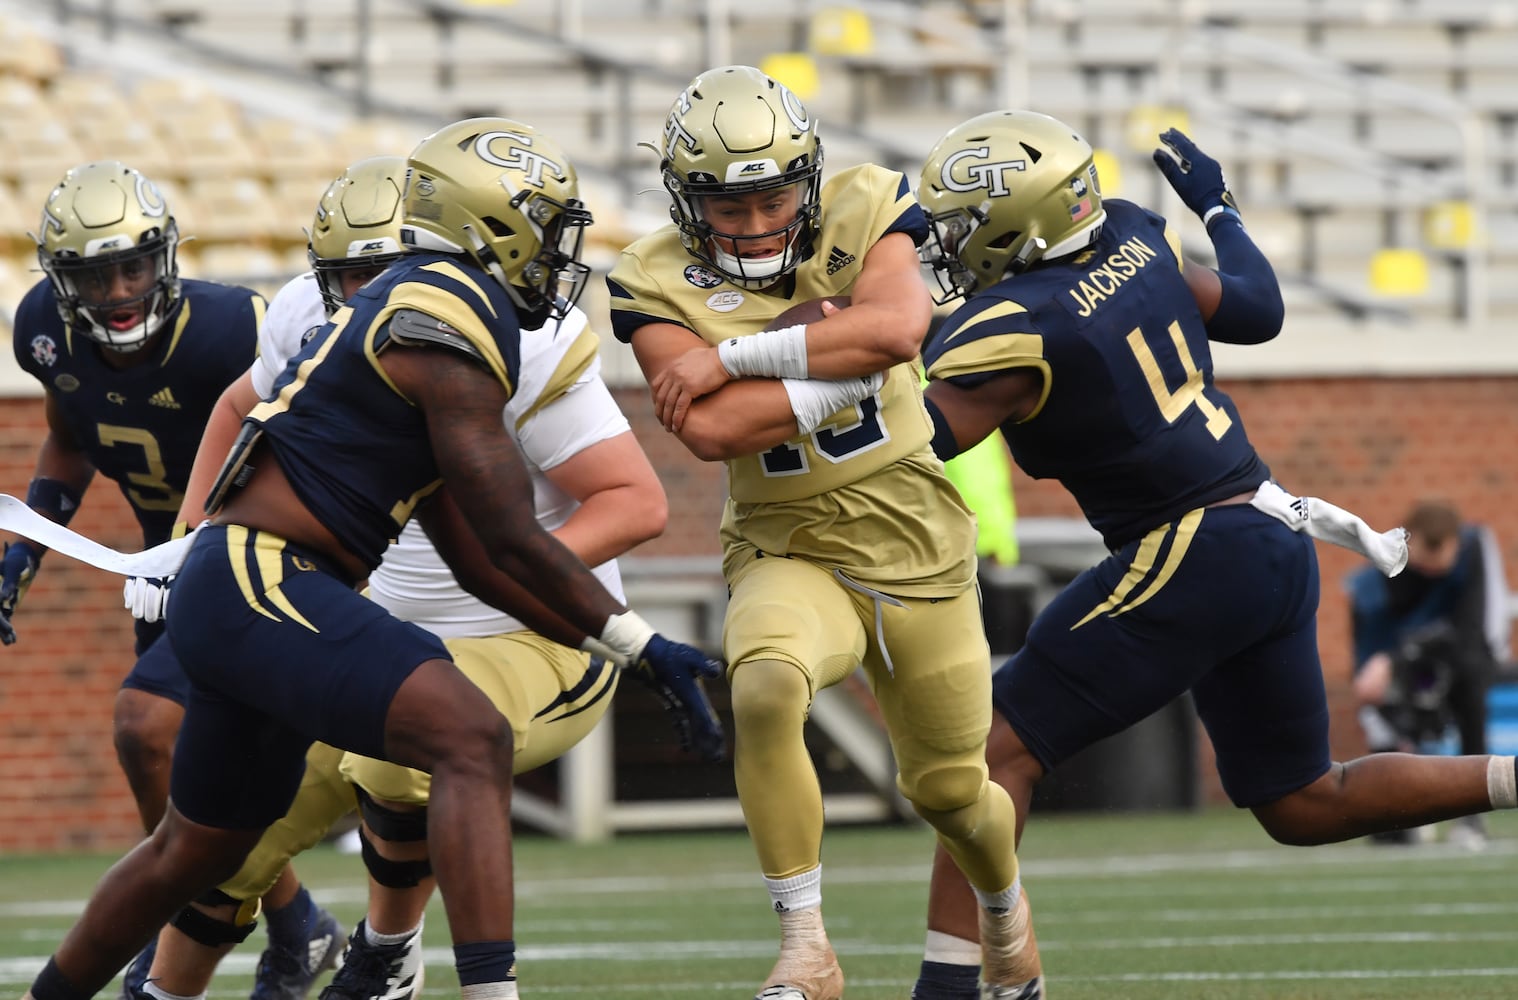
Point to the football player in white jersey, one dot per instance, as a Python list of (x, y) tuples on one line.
[(845, 544), (593, 487)]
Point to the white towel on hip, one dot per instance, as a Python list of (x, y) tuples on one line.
[(1322, 520)]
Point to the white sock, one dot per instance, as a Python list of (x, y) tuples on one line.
[(1502, 782), (1000, 902), (799, 892), (152, 989), (379, 940), (950, 950), (490, 991)]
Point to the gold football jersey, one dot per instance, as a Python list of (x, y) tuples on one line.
[(836, 495)]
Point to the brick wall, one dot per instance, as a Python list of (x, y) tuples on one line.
[(1370, 445)]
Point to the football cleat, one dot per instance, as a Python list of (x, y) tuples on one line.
[(285, 974), (136, 975), (1010, 965), (378, 972)]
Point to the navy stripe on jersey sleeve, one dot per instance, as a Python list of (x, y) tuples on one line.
[(911, 221), (625, 322)]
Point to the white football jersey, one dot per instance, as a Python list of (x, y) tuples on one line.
[(560, 408)]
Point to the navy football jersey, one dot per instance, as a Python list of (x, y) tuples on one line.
[(354, 449), (1129, 421), (140, 426)]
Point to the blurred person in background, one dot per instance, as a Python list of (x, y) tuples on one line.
[(1427, 643)]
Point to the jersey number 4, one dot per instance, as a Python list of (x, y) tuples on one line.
[(836, 444), (1191, 393)]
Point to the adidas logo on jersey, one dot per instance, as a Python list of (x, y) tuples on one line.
[(164, 398), (838, 259)]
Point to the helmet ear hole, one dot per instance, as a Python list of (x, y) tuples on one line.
[(1005, 240), (498, 228)]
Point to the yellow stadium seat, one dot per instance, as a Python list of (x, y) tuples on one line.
[(1146, 121), (796, 70), (841, 31), (1399, 272), (1452, 225), (1109, 171)]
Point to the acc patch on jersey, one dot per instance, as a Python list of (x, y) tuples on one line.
[(702, 277), (44, 350)]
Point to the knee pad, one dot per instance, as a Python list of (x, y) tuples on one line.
[(948, 797), (766, 691), (392, 874), (394, 825), (398, 827), (247, 909), (207, 930)]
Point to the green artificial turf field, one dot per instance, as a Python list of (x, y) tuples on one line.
[(1144, 907)]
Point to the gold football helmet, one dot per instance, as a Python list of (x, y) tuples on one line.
[(733, 131), (107, 245), (357, 225), (1003, 191), (505, 195)]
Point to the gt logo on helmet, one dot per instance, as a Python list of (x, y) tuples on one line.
[(532, 165), (991, 176)]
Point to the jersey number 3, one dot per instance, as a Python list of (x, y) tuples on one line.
[(1191, 393)]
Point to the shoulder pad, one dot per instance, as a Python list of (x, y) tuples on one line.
[(412, 328)]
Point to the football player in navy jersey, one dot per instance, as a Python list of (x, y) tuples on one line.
[(1084, 340), (392, 409), (132, 358)]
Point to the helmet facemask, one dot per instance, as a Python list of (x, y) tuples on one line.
[(1004, 191), (705, 239), (83, 285), (505, 196), (549, 284)]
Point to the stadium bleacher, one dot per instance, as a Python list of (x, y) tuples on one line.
[(1354, 121)]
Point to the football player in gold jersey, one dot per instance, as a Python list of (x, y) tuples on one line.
[(845, 546)]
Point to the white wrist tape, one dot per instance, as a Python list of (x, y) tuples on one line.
[(622, 640), (1501, 783), (813, 400), (769, 353), (1217, 210)]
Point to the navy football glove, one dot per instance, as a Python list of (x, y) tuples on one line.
[(1196, 177), (674, 671), (17, 570)]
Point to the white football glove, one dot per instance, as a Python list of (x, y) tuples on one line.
[(147, 597)]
